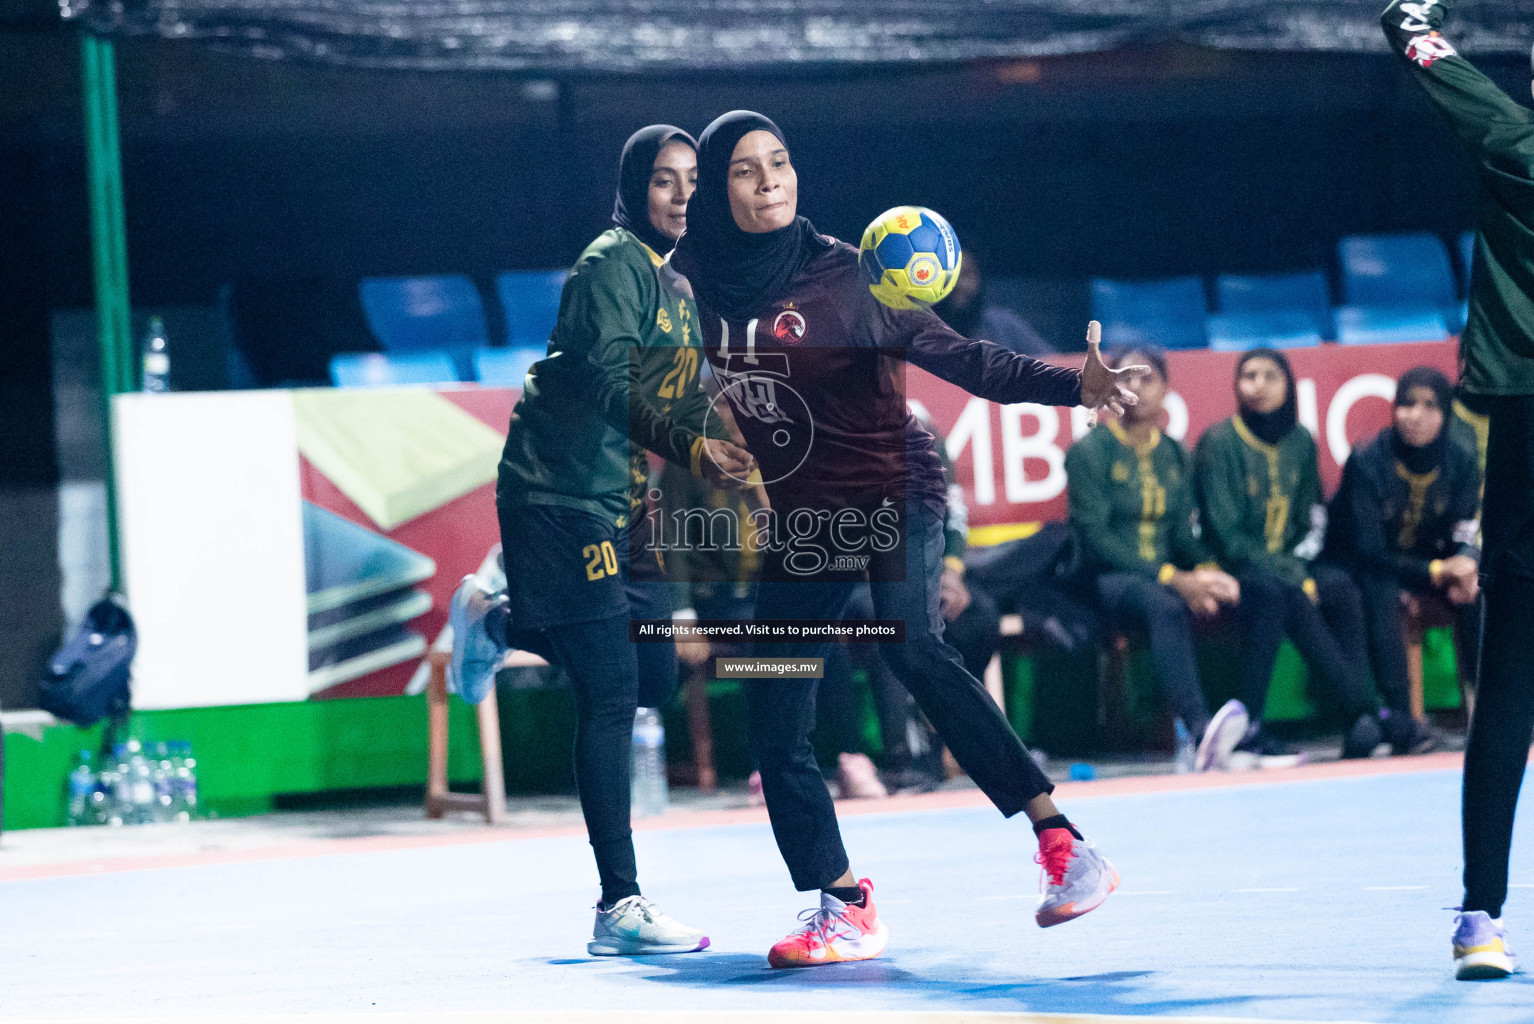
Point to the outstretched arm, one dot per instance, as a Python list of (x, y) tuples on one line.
[(1474, 105), (998, 375)]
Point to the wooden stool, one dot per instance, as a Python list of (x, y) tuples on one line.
[(491, 799)]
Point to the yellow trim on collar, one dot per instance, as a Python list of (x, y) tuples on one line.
[(1250, 438), (1123, 436), (655, 258)]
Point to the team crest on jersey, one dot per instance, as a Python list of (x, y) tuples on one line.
[(663, 321), (1426, 49), (789, 326)]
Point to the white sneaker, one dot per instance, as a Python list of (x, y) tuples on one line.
[(1078, 878), (476, 654), (1221, 735), (637, 927)]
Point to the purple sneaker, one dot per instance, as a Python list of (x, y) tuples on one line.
[(1480, 948), (1221, 735)]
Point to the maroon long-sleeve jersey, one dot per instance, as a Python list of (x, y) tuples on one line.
[(815, 381)]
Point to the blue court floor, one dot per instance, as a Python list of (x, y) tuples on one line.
[(1318, 900)]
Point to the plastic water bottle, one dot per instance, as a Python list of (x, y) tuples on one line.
[(164, 778), (649, 775), (140, 786), (185, 789), (1186, 755), (82, 785), (156, 358), (117, 804)]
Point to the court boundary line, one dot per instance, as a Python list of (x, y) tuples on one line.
[(687, 819), (687, 1016)]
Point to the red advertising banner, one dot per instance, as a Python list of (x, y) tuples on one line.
[(1011, 459)]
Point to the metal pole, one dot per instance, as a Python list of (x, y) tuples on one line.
[(103, 165)]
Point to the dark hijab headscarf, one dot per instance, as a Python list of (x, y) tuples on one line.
[(635, 167), (1270, 427), (1431, 455), (735, 272)]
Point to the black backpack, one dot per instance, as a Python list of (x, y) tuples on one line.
[(88, 678), (1042, 578)]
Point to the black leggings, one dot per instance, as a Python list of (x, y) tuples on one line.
[(611, 678), (1140, 603), (1503, 724), (780, 713), (1498, 748), (975, 634), (1329, 633)]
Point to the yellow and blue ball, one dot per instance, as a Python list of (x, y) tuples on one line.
[(909, 257)]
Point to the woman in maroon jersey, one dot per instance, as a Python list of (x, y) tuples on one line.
[(812, 365)]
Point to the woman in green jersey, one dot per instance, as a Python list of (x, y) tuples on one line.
[(1260, 506), (621, 371)]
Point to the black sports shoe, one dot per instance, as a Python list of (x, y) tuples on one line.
[(1407, 735), (1262, 743), (1363, 737)]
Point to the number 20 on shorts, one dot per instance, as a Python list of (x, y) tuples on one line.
[(601, 560)]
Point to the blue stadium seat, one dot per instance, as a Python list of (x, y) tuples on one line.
[(1466, 246), (409, 314), (378, 369), (1367, 325), (1260, 293), (530, 300), (1304, 293), (505, 367), (1169, 312), (1287, 328), (1407, 271)]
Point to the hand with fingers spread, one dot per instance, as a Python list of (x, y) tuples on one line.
[(1102, 388)]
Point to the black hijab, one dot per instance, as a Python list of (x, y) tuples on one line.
[(1431, 455), (631, 211), (1270, 427), (736, 272)]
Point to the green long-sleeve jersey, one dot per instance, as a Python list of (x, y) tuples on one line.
[(1496, 350), (1132, 507), (621, 374), (1259, 504)]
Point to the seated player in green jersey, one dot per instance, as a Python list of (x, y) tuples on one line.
[(1403, 523), (1259, 497), (1130, 499)]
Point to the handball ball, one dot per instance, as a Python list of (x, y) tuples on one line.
[(909, 257)]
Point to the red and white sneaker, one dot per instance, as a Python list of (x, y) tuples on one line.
[(1078, 878), (833, 932)]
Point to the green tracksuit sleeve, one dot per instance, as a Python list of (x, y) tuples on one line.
[(603, 306), (1478, 111), (692, 412), (1090, 506)]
